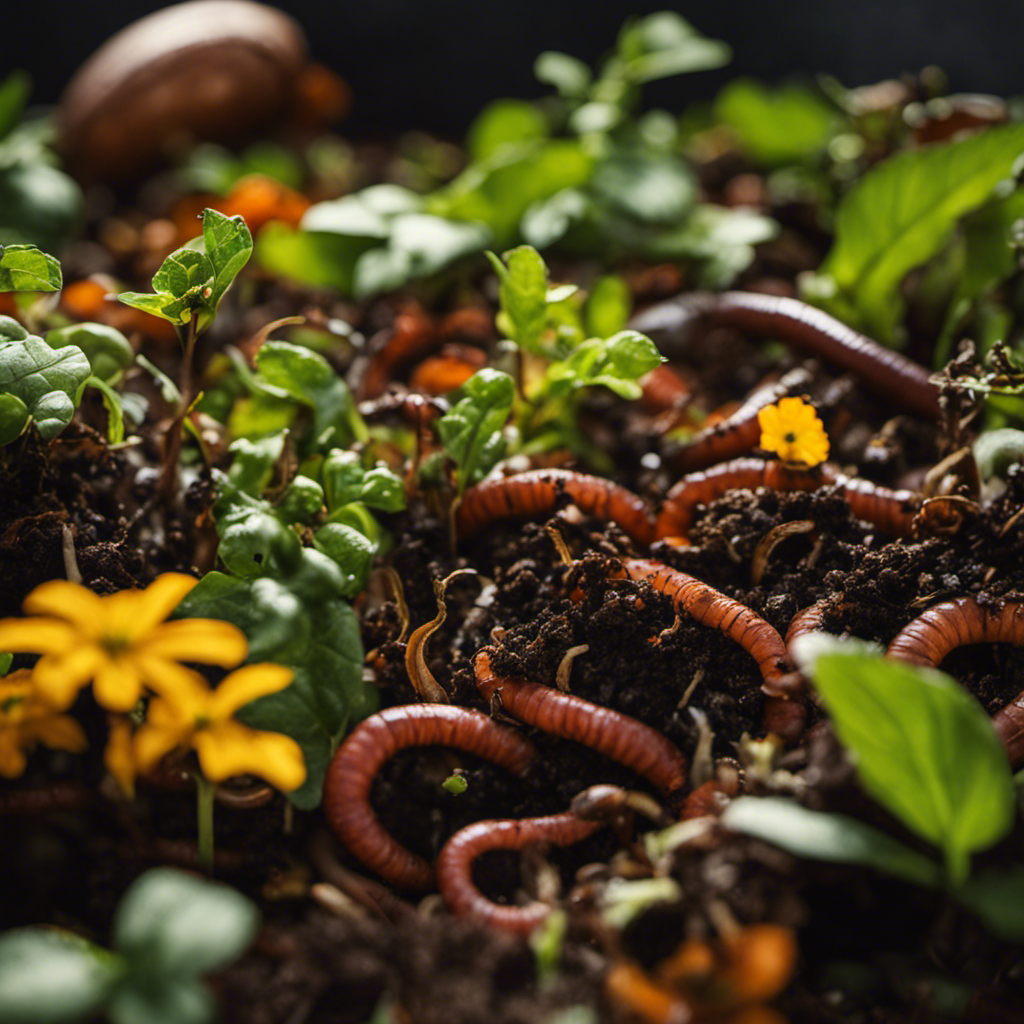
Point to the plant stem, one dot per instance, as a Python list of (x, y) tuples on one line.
[(204, 819), (168, 483)]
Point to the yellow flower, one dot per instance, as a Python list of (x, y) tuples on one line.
[(791, 428), (119, 757), (120, 641), (195, 716), (27, 719)]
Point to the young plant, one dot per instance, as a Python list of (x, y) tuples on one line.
[(169, 930), (188, 289), (927, 752)]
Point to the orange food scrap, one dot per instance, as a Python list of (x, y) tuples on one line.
[(260, 199), (451, 369)]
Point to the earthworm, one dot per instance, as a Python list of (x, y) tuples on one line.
[(888, 373), (616, 736), (455, 865), (941, 629), (711, 608), (48, 799), (375, 741), (536, 492), (739, 433), (889, 510), (664, 390)]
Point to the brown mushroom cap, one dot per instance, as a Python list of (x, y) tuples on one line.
[(206, 69)]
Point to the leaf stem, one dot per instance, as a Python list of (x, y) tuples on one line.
[(204, 821), (168, 483)]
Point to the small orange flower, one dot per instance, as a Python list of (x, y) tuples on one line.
[(791, 428), (120, 641), (26, 719)]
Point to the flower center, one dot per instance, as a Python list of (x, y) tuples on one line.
[(115, 643), (789, 437)]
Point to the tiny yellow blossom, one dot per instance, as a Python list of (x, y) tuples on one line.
[(120, 641), (27, 719), (195, 716), (791, 429)]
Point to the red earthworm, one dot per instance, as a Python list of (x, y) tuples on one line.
[(889, 510), (710, 608), (941, 629), (616, 736), (455, 866), (536, 492), (808, 620), (664, 390), (891, 375), (375, 741), (739, 433)]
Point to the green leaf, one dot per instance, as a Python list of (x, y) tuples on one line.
[(995, 451), (924, 749), (900, 214), (112, 403), (46, 381), (176, 925), (316, 258), (327, 696), (38, 203), (784, 125), (14, 93), (5, 663), (651, 189), (345, 480), (107, 349), (228, 246), (52, 977), (524, 294), (571, 77), (664, 44), (609, 306), (26, 268), (350, 550), (14, 418), (291, 371), (469, 428), (996, 895), (161, 1001), (252, 464), (632, 354), (505, 123), (832, 837)]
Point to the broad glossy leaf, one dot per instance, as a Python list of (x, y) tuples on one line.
[(632, 354), (345, 480), (26, 268), (350, 550), (46, 381), (161, 1001), (51, 977), (228, 246), (14, 418), (900, 214), (651, 189), (924, 749), (832, 837), (317, 258), (107, 349), (175, 925)]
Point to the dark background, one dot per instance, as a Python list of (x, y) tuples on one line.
[(432, 65)]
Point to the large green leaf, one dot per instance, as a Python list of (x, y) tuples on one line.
[(469, 429), (228, 245), (900, 214), (45, 381), (51, 977), (524, 294), (831, 837), (924, 749), (26, 268)]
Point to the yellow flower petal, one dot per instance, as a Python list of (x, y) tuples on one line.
[(153, 741), (228, 748), (118, 684), (207, 641), (185, 689), (245, 685), (64, 600), (36, 636), (119, 758), (59, 732), (58, 678), (12, 760), (141, 611)]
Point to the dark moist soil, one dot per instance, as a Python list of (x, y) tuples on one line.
[(872, 950)]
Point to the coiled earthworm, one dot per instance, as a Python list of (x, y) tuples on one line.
[(455, 865), (537, 491), (889, 510), (888, 373), (739, 433), (941, 629), (616, 736), (375, 741)]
